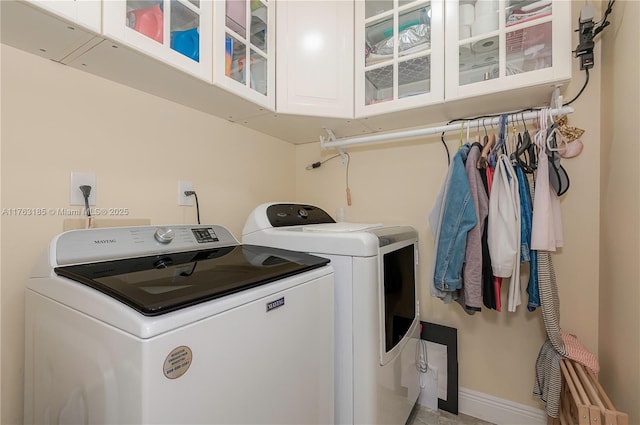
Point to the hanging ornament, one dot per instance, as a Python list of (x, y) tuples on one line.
[(569, 134), (571, 144)]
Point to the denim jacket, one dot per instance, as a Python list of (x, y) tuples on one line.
[(457, 217), (526, 253)]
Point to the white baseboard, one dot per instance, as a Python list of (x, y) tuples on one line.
[(498, 410)]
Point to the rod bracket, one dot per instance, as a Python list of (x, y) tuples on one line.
[(556, 98), (331, 137), (343, 155)]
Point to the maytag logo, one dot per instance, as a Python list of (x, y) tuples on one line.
[(104, 241), (275, 304)]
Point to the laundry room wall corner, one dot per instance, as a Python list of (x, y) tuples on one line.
[(1, 205), (619, 318)]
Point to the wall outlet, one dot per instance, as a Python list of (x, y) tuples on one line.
[(182, 198), (80, 179)]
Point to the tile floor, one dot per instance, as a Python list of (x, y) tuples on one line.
[(424, 416)]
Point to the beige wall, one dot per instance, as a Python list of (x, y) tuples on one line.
[(398, 183), (619, 344), (1, 47), (57, 120)]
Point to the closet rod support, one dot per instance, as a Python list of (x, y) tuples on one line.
[(331, 139)]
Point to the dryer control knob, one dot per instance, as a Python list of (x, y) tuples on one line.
[(164, 234)]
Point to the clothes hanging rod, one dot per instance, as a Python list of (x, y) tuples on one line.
[(332, 142)]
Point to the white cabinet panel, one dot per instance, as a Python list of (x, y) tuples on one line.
[(315, 58), (83, 12), (30, 27)]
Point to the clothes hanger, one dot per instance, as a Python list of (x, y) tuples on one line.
[(499, 143), (523, 142), (553, 136), (492, 149), (541, 135), (545, 133), (516, 143), (514, 135), (468, 128), (486, 135), (506, 146), (489, 141), (558, 177), (525, 152)]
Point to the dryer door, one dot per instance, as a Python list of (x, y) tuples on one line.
[(398, 270), (398, 293)]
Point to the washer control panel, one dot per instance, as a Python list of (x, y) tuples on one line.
[(79, 246)]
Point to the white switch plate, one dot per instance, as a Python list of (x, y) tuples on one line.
[(182, 198), (75, 194)]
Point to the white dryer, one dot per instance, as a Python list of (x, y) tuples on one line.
[(177, 325), (377, 313)]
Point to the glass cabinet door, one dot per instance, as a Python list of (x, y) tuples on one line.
[(507, 40), (400, 40), (246, 43), (177, 32), (528, 47), (180, 19), (478, 58)]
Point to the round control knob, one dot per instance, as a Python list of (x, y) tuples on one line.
[(164, 234), (302, 213)]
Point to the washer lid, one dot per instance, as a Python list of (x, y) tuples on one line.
[(158, 284)]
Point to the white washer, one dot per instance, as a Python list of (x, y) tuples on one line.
[(177, 325), (377, 312)]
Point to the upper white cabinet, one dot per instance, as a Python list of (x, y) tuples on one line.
[(87, 13), (499, 45), (315, 57), (55, 30), (177, 32), (244, 49), (399, 55), (390, 64)]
